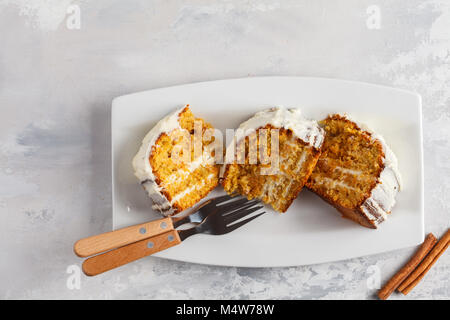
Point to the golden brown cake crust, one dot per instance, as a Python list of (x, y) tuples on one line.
[(354, 214)]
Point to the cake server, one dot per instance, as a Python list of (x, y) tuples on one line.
[(217, 223), (114, 239)]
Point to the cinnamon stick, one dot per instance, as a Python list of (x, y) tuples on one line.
[(414, 278), (398, 278)]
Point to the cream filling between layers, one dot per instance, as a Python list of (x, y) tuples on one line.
[(382, 197), (185, 192), (144, 172)]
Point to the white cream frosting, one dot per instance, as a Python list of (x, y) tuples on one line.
[(307, 130), (141, 164), (382, 198)]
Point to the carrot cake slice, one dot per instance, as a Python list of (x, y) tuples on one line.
[(174, 176), (357, 172), (273, 155)]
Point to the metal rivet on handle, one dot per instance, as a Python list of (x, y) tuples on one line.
[(150, 245), (170, 238), (163, 225), (142, 230)]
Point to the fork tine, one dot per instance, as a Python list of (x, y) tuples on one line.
[(235, 216), (221, 199), (213, 202), (244, 206), (229, 206), (240, 224)]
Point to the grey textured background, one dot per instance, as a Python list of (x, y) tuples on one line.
[(56, 86)]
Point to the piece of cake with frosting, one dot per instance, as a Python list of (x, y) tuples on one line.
[(275, 153), (173, 175), (357, 172)]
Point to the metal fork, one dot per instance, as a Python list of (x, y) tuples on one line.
[(114, 239), (224, 219)]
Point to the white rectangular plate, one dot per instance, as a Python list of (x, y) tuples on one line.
[(311, 231)]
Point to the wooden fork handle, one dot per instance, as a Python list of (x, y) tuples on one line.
[(114, 239), (121, 256)]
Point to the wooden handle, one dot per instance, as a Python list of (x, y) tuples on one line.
[(121, 256), (114, 239)]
